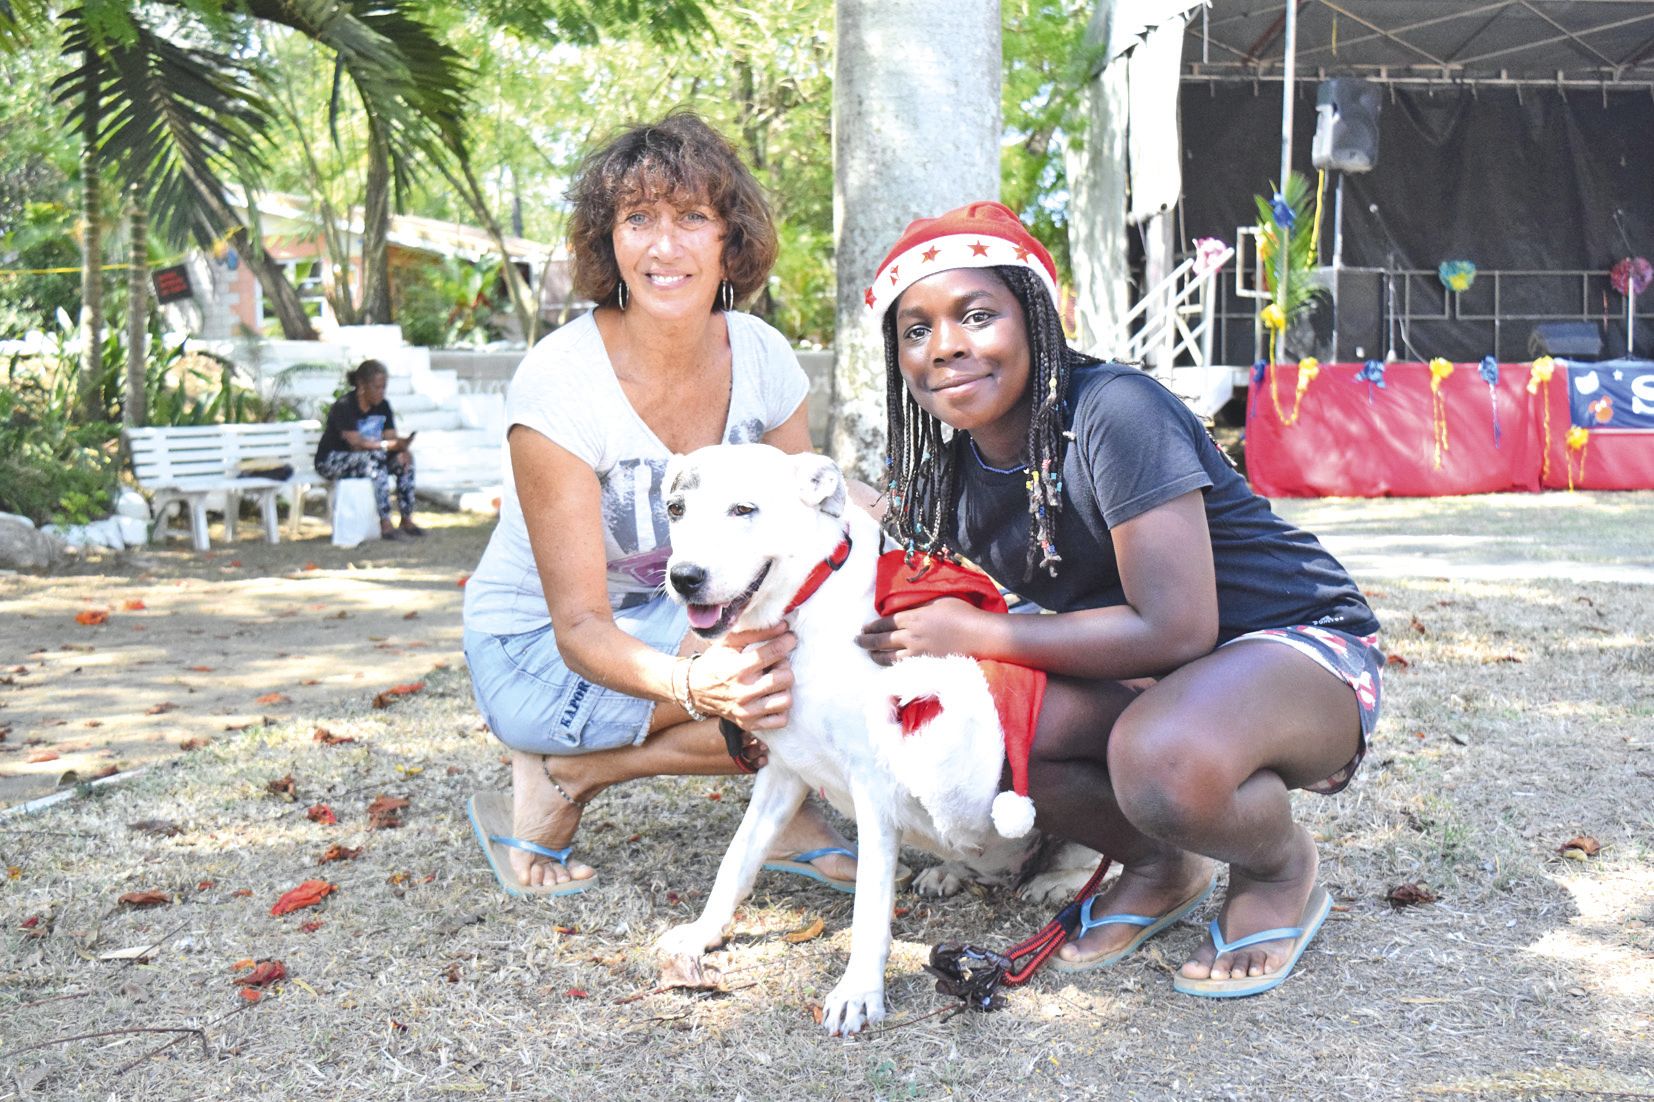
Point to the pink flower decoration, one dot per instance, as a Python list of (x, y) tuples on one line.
[(1633, 272), (1210, 253)]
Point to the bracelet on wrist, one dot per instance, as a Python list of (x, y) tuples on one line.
[(686, 699)]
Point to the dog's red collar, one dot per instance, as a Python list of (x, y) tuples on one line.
[(824, 568)]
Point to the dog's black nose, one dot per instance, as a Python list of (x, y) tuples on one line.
[(687, 578)]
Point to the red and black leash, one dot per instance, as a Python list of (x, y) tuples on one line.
[(976, 975)]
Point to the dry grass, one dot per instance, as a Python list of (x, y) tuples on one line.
[(1520, 721)]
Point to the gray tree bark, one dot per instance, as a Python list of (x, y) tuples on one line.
[(376, 220), (88, 399), (1096, 167), (916, 129), (135, 400)]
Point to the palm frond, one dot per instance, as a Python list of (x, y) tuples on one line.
[(176, 120), (21, 21)]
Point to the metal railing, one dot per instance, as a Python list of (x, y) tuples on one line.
[(1171, 325)]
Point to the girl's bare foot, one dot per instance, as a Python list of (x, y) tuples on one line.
[(1259, 902), (1154, 888), (540, 813)]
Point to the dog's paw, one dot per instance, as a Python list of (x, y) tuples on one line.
[(852, 1007), (948, 878), (688, 940), (1056, 887)]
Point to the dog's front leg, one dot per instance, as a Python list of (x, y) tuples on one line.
[(858, 1000), (776, 797)]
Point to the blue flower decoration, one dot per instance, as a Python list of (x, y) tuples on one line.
[(1258, 367), (1489, 371), (1372, 372), (1282, 210)]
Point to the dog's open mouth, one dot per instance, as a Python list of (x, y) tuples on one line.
[(709, 621)]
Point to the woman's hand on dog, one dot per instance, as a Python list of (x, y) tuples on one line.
[(747, 677), (939, 628)]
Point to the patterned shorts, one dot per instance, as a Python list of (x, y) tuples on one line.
[(1353, 659)]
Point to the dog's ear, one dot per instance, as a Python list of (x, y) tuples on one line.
[(820, 483)]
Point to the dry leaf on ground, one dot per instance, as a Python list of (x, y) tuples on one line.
[(285, 787), (336, 852), (321, 813), (133, 605), (808, 933), (1409, 895), (92, 617), (328, 738), (383, 700), (273, 698), (162, 828), (307, 894), (161, 709), (145, 899), (385, 812), (1580, 846)]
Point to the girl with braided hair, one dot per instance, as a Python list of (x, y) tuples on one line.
[(1204, 656)]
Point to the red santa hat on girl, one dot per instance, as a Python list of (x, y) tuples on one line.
[(977, 235)]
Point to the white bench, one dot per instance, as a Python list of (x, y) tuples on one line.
[(182, 466)]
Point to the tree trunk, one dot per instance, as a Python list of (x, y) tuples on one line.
[(135, 402), (88, 386), (279, 292), (522, 297), (915, 133), (1097, 203), (376, 217)]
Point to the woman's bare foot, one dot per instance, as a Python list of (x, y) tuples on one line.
[(1154, 888), (1255, 903), (810, 830), (540, 813)]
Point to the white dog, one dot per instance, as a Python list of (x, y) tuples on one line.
[(751, 530)]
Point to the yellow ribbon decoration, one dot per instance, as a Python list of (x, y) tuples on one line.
[(1440, 369), (1308, 368), (1577, 440), (1539, 375)]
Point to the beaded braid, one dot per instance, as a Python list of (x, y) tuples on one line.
[(922, 468)]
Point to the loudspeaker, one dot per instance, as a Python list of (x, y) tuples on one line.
[(1577, 340), (1346, 125), (1360, 318)]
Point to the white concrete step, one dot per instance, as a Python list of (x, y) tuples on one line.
[(427, 419)]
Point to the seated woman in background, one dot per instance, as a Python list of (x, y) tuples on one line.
[(361, 441)]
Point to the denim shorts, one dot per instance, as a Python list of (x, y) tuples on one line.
[(1353, 659), (533, 702)]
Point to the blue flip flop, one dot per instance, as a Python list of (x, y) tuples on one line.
[(1316, 910), (1150, 926), (490, 815), (799, 865)]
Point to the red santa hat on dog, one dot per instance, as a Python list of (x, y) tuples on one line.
[(977, 235)]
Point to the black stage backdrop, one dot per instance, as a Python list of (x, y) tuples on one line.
[(1542, 180)]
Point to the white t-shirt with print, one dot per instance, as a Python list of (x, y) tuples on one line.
[(566, 390)]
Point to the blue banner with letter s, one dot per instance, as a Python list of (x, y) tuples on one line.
[(1616, 394)]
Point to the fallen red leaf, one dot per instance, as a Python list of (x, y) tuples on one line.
[(328, 738), (200, 669), (205, 884), (577, 993), (635, 838), (92, 617), (1418, 626), (285, 787), (463, 578), (672, 898), (398, 1026), (31, 922), (251, 994), (384, 698), (1584, 843), (385, 812), (1410, 895), (263, 974), (273, 698), (242, 892), (144, 899), (451, 973), (1397, 660), (308, 566), (235, 562), (715, 796), (307, 894), (321, 813), (42, 755), (160, 709), (133, 605), (565, 930), (192, 744), (312, 926), (336, 852), (310, 681)]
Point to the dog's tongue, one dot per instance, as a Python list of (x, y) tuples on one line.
[(704, 616)]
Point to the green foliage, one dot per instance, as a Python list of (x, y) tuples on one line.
[(39, 236), (448, 303), (1299, 293), (1046, 64)]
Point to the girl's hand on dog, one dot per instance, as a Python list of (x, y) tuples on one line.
[(933, 629), (747, 677)]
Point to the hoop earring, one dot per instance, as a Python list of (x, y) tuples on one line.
[(621, 295), (726, 295)]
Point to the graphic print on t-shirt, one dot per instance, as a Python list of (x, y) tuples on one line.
[(371, 428), (635, 518)]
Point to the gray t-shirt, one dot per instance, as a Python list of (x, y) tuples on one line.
[(1137, 446), (566, 390)]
